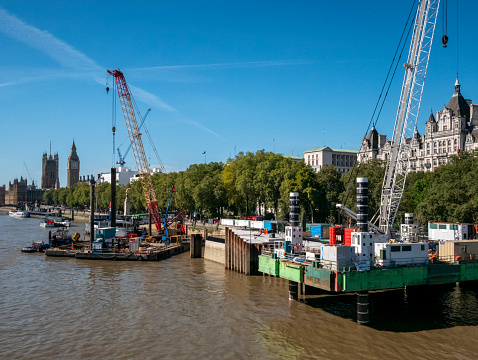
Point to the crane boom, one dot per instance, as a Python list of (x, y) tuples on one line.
[(124, 95), (121, 160), (408, 108)]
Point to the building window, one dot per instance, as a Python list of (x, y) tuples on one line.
[(449, 142), (435, 144), (444, 127)]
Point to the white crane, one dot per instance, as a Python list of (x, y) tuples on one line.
[(398, 162)]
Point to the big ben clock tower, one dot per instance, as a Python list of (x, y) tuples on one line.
[(73, 167)]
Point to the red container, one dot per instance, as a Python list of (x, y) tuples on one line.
[(348, 236), (130, 236), (332, 235)]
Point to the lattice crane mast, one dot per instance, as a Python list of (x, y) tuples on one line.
[(122, 158), (126, 101), (398, 162)]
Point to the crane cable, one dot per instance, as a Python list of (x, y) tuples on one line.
[(444, 22), (113, 119), (374, 123), (456, 39)]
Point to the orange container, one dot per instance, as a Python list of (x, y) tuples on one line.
[(348, 236)]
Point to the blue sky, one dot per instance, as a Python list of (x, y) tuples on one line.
[(219, 76)]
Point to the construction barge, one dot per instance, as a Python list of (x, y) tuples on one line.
[(149, 253), (109, 246)]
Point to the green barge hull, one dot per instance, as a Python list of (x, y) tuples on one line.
[(374, 279)]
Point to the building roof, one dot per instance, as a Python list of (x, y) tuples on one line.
[(326, 148), (372, 137), (458, 104), (431, 118)]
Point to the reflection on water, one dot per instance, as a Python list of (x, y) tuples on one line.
[(183, 308)]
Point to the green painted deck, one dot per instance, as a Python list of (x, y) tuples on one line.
[(291, 271), (375, 279), (268, 265)]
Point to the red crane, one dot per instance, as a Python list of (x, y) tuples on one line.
[(126, 101)]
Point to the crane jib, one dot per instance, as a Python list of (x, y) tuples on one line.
[(407, 114), (137, 146)]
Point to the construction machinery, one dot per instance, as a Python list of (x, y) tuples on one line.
[(144, 173), (122, 158), (397, 165), (171, 239), (398, 162)]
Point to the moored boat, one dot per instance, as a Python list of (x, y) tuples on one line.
[(19, 213), (46, 223), (37, 246)]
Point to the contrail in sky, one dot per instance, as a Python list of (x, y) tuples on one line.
[(63, 53), (70, 58), (45, 42), (229, 65)]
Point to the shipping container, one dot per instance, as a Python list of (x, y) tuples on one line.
[(337, 258), (459, 250), (401, 254), (268, 225), (105, 233), (348, 236), (227, 222), (450, 231), (332, 235), (320, 230)]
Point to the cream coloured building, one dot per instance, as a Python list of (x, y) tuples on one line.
[(454, 129), (343, 160)]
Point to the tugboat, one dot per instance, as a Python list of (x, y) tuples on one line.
[(37, 246)]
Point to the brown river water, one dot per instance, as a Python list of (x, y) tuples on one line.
[(183, 308)]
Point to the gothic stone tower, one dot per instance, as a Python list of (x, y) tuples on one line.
[(73, 167), (49, 177)]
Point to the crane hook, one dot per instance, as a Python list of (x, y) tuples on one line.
[(107, 89), (444, 40)]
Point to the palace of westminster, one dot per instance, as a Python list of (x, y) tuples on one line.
[(20, 192)]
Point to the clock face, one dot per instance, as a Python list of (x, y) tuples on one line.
[(74, 165)]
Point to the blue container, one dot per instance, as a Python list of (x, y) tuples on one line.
[(267, 225)]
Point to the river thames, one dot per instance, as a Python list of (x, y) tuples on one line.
[(182, 308)]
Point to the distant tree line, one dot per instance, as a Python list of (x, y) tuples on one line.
[(259, 184)]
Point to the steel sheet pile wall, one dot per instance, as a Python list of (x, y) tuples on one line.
[(241, 256)]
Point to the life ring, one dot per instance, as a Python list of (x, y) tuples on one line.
[(281, 245), (296, 248), (458, 258), (140, 257)]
